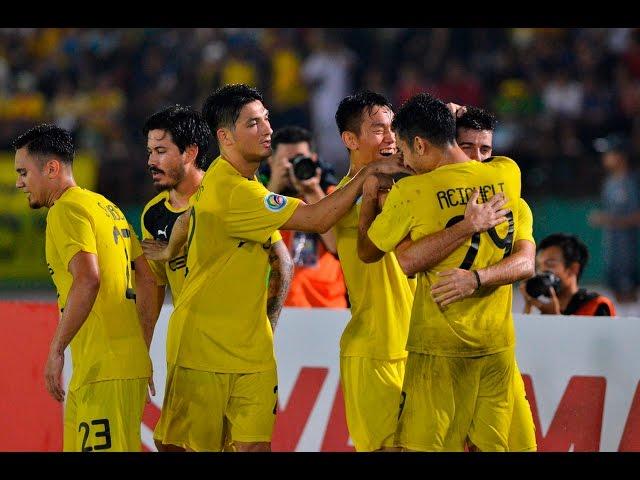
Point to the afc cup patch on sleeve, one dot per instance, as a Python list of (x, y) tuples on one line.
[(274, 202)]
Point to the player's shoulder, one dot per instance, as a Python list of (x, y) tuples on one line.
[(77, 198), (158, 200), (500, 160)]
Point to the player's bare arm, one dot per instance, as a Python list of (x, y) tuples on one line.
[(369, 210), (321, 216), (430, 250), (279, 280), (84, 289), (163, 251), (457, 284)]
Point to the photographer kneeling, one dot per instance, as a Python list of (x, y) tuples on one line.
[(560, 261)]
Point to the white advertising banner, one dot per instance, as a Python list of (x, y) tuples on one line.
[(581, 375)]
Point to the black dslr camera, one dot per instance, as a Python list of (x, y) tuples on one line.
[(304, 167), (541, 283)]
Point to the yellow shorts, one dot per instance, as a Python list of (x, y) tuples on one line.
[(105, 416), (204, 411), (372, 390), (449, 399), (522, 434)]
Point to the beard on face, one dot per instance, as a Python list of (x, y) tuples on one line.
[(172, 177)]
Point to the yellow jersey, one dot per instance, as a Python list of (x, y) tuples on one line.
[(158, 218), (481, 324), (380, 294), (109, 345), (525, 222), (220, 322)]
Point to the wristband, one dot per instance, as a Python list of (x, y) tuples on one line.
[(475, 272)]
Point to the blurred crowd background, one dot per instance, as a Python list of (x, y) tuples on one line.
[(554, 90)]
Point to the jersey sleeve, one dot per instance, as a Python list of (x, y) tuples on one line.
[(73, 231), (394, 222), (255, 213), (276, 237), (524, 229)]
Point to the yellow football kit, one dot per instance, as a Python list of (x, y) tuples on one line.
[(109, 345), (158, 218), (372, 346), (476, 326), (522, 433), (219, 323)]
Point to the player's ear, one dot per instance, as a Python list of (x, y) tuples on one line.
[(419, 145), (191, 153), (224, 137), (52, 168), (350, 140)]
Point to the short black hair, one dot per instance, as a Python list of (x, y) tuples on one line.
[(350, 110), (222, 108), (425, 116), (573, 249), (45, 140), (187, 127), (291, 134), (476, 119)]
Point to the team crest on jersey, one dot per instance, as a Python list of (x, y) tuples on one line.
[(274, 202)]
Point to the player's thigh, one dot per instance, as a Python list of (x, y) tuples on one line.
[(108, 416), (70, 423), (437, 405), (252, 406), (522, 432), (372, 395), (494, 406), (193, 409)]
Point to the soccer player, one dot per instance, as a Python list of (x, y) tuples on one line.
[(225, 371), (91, 250), (177, 143), (372, 347), (458, 385), (474, 135)]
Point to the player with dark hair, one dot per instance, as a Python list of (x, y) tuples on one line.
[(372, 347), (91, 251), (458, 386), (224, 384)]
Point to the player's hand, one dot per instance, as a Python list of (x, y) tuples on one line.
[(375, 183), (482, 216), (152, 388), (453, 286), (155, 250), (390, 165), (53, 375), (456, 110)]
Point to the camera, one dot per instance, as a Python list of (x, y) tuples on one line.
[(540, 284), (304, 167)]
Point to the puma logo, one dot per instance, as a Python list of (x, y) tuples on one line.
[(163, 232)]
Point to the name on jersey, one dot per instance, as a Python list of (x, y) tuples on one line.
[(452, 197)]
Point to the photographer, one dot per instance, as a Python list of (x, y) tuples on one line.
[(560, 261), (293, 169)]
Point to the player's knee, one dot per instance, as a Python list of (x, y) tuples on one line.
[(252, 446), (162, 447)]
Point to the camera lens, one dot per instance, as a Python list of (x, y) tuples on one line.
[(541, 283), (304, 167)]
